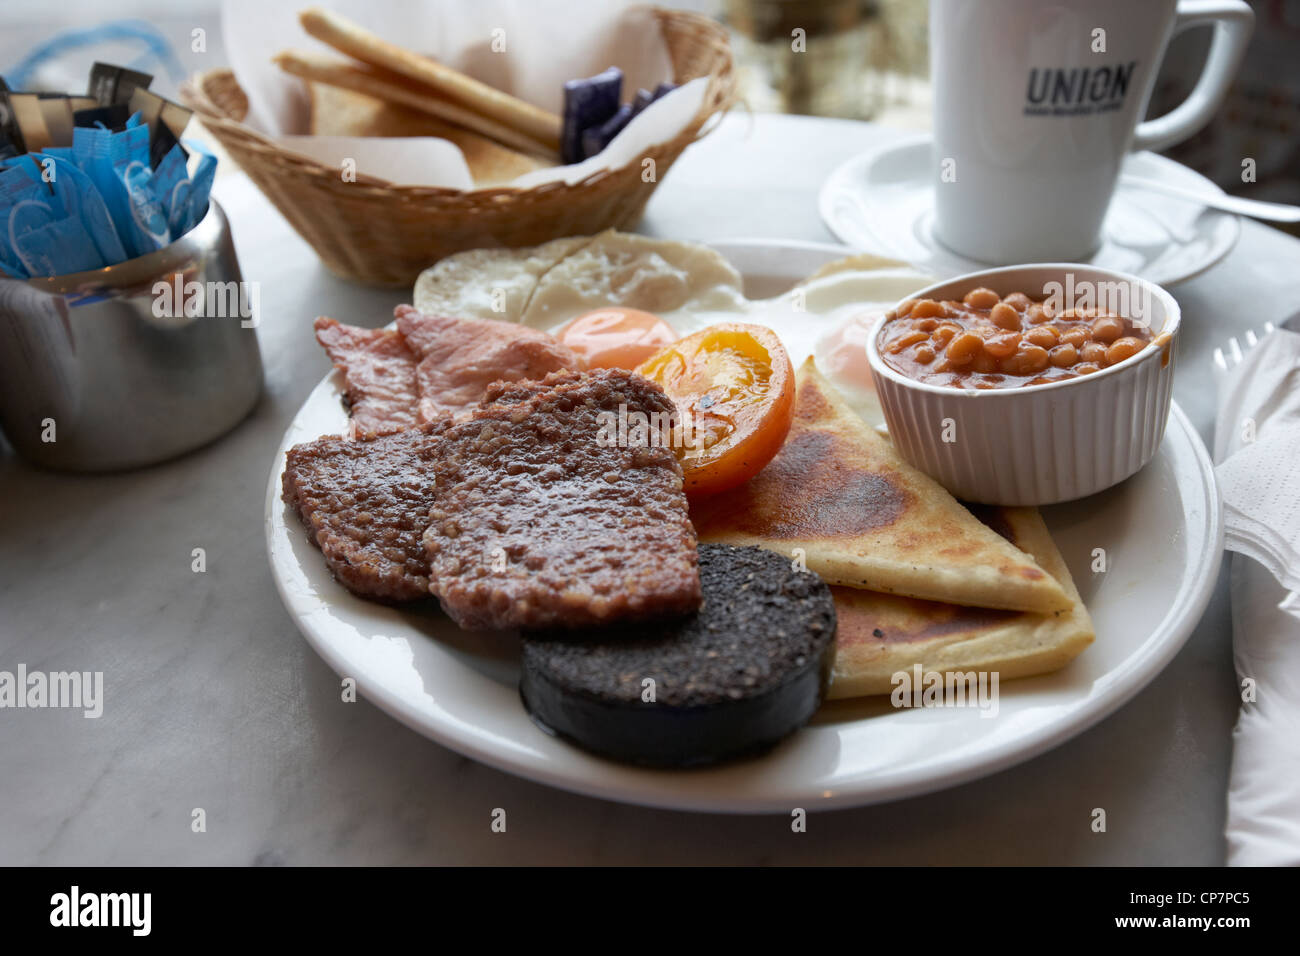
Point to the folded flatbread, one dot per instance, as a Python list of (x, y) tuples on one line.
[(354, 40), (862, 517), (880, 635), (340, 112), (392, 88)]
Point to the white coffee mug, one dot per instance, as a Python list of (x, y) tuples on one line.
[(1036, 103)]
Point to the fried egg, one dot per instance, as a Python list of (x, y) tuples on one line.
[(685, 285)]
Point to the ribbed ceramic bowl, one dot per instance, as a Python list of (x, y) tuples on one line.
[(1039, 444)]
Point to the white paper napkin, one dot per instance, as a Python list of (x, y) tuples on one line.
[(1263, 826), (546, 42), (403, 160), (1257, 446)]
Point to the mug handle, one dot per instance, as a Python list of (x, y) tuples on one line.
[(1233, 21)]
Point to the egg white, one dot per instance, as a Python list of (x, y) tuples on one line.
[(822, 317), (689, 285)]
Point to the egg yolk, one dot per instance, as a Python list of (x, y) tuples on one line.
[(843, 353), (615, 337)]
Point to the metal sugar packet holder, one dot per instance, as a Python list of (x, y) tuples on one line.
[(133, 363)]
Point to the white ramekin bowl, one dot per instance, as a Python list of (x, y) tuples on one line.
[(1039, 444)]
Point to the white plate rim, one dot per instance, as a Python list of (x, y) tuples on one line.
[(1157, 650), (862, 161)]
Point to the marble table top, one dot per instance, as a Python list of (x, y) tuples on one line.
[(214, 701)]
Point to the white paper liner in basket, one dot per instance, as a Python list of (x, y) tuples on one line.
[(526, 49)]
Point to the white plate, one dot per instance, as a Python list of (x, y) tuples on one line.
[(1161, 531), (882, 201)]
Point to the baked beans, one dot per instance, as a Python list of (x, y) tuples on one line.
[(991, 341)]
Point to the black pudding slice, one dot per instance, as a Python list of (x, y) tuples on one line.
[(748, 668)]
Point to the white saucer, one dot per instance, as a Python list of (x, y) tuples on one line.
[(881, 202)]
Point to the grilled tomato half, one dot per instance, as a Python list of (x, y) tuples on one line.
[(733, 386)]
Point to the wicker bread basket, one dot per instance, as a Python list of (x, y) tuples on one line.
[(386, 234)]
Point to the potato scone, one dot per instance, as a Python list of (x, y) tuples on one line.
[(881, 635), (842, 496)]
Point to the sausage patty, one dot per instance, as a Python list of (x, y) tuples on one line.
[(547, 515), (524, 515), (366, 504)]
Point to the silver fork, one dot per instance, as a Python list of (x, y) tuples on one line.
[(1224, 360)]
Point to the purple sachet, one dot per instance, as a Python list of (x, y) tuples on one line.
[(588, 103), (598, 137)]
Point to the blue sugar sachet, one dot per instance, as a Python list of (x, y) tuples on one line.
[(58, 152), (118, 165), (20, 182), (170, 182), (79, 197), (29, 164), (42, 237), (16, 186), (51, 247), (203, 178), (90, 153), (118, 192), (147, 213), (588, 103), (186, 215), (129, 151)]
